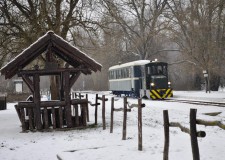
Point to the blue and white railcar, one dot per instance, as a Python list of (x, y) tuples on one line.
[(127, 78)]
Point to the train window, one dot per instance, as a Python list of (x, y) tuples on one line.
[(159, 70), (149, 70)]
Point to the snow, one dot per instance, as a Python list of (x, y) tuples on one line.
[(94, 143)]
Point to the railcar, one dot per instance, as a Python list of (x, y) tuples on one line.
[(142, 78)]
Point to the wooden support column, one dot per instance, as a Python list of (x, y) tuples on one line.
[(66, 76), (124, 118), (37, 98)]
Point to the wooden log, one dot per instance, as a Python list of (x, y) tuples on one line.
[(166, 135), (76, 115), (87, 108), (78, 101), (139, 124), (53, 118), (67, 99), (124, 118), (60, 117), (22, 113), (182, 128), (37, 99), (96, 109), (112, 115), (211, 123), (193, 131), (103, 112), (31, 119), (118, 109)]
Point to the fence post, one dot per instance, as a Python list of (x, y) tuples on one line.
[(124, 118), (112, 114), (103, 112), (166, 135), (193, 134), (96, 109), (87, 108), (139, 124)]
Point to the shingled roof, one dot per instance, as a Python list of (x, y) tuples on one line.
[(70, 54)]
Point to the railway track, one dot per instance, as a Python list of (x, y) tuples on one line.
[(208, 103)]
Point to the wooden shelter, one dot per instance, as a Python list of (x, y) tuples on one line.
[(39, 114)]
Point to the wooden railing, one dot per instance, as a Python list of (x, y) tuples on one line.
[(52, 114)]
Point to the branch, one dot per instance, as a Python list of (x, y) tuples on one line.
[(182, 128), (211, 123)]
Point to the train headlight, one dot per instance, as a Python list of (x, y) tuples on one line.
[(152, 84), (169, 84)]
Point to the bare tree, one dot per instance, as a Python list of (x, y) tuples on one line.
[(198, 29), (140, 22), (23, 22)]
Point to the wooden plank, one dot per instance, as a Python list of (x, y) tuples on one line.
[(53, 118), (22, 113), (76, 115), (60, 117), (46, 118)]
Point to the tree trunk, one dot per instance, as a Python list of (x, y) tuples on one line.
[(214, 82)]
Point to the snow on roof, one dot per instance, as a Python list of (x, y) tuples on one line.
[(74, 47), (133, 63)]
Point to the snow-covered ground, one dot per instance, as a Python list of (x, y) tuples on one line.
[(98, 144)]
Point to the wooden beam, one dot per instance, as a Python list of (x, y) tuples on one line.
[(29, 82), (57, 71), (74, 78)]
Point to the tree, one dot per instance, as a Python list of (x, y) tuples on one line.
[(23, 22), (140, 22), (198, 29)]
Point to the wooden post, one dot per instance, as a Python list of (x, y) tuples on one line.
[(96, 109), (84, 114), (166, 135), (76, 115), (103, 112), (60, 117), (37, 99), (124, 118), (31, 119), (139, 124), (112, 114), (46, 117), (67, 99), (87, 108), (193, 134)]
